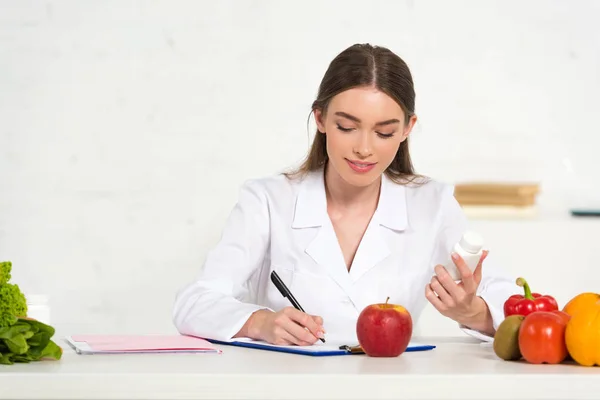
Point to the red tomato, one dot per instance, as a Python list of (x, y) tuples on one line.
[(542, 337), (562, 314)]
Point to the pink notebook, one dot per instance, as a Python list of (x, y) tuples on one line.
[(97, 344)]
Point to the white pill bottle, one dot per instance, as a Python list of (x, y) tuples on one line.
[(470, 248), (38, 307)]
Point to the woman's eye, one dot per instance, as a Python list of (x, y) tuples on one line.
[(382, 135), (341, 128)]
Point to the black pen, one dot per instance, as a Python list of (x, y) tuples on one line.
[(285, 292)]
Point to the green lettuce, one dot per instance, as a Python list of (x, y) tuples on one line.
[(21, 339)]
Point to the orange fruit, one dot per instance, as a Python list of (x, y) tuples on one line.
[(580, 302)]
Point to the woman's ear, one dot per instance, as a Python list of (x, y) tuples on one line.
[(409, 127), (319, 120)]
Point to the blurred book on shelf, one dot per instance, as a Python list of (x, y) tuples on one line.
[(497, 200)]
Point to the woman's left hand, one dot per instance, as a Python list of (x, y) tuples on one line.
[(459, 301)]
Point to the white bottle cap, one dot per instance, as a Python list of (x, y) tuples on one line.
[(36, 299), (471, 242)]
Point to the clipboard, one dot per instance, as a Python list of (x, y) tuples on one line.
[(316, 350)]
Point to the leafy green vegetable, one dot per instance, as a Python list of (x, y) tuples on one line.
[(21, 339), (5, 358), (5, 268), (12, 301), (51, 350), (27, 340), (17, 344)]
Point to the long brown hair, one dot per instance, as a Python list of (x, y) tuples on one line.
[(365, 65)]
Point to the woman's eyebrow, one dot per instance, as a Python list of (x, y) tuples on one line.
[(355, 119)]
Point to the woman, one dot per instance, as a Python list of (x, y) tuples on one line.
[(351, 227)]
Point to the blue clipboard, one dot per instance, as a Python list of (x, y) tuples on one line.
[(316, 350)]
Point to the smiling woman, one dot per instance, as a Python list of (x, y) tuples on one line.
[(366, 135), (353, 225), (368, 92)]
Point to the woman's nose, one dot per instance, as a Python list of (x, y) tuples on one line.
[(363, 147)]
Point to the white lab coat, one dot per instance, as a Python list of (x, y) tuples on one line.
[(283, 225)]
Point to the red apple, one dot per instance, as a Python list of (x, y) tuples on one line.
[(384, 330)]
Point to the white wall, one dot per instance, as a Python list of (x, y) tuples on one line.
[(127, 127)]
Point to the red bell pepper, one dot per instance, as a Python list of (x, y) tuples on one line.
[(530, 302)]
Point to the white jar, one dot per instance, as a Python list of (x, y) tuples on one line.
[(470, 248), (38, 308)]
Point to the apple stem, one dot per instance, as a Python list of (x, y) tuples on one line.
[(386, 300)]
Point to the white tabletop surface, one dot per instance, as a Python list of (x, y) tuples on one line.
[(458, 368)]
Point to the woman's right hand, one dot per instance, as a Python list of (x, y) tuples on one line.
[(285, 327)]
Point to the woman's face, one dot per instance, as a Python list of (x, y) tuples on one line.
[(364, 129)]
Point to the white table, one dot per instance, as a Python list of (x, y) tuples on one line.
[(457, 369)]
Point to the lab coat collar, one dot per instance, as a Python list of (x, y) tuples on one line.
[(311, 203), (392, 211), (324, 248)]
